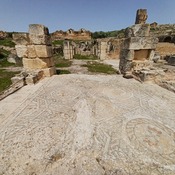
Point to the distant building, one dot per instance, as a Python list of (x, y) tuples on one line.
[(82, 34)]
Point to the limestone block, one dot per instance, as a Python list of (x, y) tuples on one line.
[(34, 63), (21, 50), (138, 30), (48, 72), (137, 43), (38, 29), (31, 51), (39, 39), (43, 51), (21, 38)]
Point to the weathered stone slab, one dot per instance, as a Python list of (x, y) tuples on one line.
[(21, 38), (43, 51), (137, 43), (21, 50)]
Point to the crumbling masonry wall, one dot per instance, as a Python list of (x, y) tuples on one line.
[(138, 48), (35, 50), (108, 48)]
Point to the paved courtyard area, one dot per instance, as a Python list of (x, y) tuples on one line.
[(88, 125)]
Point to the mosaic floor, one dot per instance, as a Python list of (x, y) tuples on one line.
[(90, 125)]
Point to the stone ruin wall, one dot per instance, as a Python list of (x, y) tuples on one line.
[(108, 48), (36, 52), (82, 34), (138, 48)]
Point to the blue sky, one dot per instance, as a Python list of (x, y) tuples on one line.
[(94, 15)]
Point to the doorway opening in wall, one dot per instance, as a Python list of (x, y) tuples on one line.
[(142, 55), (167, 39)]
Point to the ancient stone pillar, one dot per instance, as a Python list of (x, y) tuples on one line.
[(68, 50), (103, 50), (36, 50), (141, 16)]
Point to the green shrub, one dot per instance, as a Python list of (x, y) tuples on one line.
[(100, 68), (62, 63), (62, 71), (85, 57), (5, 79), (5, 63), (57, 42), (7, 42), (4, 54)]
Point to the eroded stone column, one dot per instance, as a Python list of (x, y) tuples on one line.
[(103, 50), (68, 50), (36, 50), (141, 16)]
